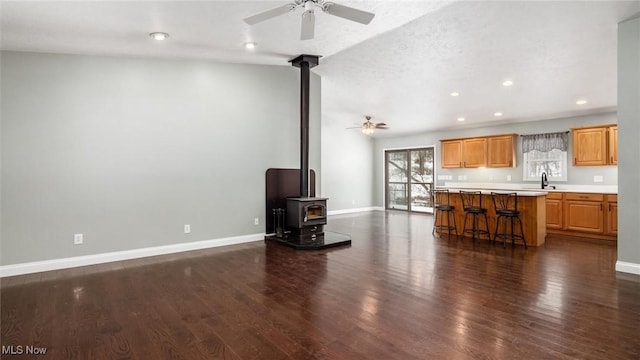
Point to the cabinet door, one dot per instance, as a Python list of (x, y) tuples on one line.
[(586, 216), (474, 152), (612, 214), (501, 151), (451, 154), (554, 213), (613, 145), (590, 146)]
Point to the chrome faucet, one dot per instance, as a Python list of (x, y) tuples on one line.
[(545, 183)]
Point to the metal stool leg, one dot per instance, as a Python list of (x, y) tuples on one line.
[(522, 232)]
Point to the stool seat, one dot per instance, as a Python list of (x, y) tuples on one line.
[(506, 205), (476, 210), (444, 207), (508, 212)]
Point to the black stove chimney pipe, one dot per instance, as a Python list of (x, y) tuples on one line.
[(304, 62)]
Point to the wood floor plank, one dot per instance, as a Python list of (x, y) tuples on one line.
[(396, 293)]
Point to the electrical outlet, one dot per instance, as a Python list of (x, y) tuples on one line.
[(256, 221), (508, 177), (187, 229), (78, 239), (598, 178), (353, 202), (460, 177)]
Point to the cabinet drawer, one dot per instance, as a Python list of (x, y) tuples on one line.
[(612, 198), (584, 196), (554, 196)]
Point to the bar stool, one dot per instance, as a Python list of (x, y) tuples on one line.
[(472, 206), (442, 206), (506, 205)]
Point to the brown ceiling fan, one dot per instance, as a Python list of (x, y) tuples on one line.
[(368, 127), (308, 16)]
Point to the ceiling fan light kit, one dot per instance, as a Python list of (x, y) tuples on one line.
[(308, 16), (368, 127)]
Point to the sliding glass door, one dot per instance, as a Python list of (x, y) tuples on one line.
[(408, 179)]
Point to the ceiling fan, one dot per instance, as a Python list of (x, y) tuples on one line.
[(368, 127), (308, 16)]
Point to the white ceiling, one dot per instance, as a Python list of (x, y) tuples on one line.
[(400, 69)]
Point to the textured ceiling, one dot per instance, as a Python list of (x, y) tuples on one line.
[(554, 52), (400, 69)]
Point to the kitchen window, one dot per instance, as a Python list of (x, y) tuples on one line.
[(545, 153)]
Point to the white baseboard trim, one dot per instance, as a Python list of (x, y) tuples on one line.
[(628, 267), (355, 210), (65, 263)]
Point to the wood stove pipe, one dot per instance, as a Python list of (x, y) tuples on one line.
[(304, 62)]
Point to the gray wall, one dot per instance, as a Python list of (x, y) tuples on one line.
[(576, 175), (347, 164), (128, 150), (628, 140)]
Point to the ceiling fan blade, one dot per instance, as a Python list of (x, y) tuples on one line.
[(354, 127), (381, 124), (308, 25), (348, 13), (266, 15)]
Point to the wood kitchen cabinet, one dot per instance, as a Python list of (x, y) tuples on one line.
[(611, 217), (502, 151), (474, 152), (554, 210), (595, 145), (587, 215), (451, 154), (584, 212), (491, 151), (613, 145)]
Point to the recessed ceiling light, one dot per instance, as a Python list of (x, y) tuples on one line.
[(455, 93), (159, 35), (581, 102), (507, 83), (250, 45), (497, 113), (460, 119)]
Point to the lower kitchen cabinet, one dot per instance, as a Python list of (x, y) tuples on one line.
[(582, 214), (554, 211), (612, 215)]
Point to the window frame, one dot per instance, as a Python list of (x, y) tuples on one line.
[(564, 163)]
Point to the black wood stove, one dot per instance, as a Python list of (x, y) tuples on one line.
[(305, 215)]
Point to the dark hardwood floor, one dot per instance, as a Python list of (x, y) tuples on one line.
[(396, 293)]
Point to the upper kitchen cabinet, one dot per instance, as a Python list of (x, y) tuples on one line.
[(502, 151), (596, 145), (613, 145), (491, 151), (474, 152), (451, 154)]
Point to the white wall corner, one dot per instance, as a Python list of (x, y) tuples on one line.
[(628, 267), (76, 261)]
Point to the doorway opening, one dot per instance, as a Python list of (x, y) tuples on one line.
[(409, 175)]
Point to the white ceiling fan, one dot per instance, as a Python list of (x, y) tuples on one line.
[(368, 127), (308, 16)]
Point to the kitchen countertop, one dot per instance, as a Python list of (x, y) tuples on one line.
[(524, 188), (488, 191)]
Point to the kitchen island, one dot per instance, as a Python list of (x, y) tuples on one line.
[(531, 204)]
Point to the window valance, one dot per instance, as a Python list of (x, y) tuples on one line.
[(545, 142)]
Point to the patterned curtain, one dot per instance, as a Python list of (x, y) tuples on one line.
[(545, 142)]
